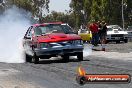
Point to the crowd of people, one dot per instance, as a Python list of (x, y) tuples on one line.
[(99, 32)]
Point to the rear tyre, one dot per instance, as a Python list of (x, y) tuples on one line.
[(80, 56), (28, 58), (65, 58)]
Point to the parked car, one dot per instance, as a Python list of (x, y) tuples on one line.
[(116, 33), (43, 41), (85, 35), (129, 30)]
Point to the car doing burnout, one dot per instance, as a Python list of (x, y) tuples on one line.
[(43, 41)]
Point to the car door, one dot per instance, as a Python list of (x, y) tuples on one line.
[(28, 41)]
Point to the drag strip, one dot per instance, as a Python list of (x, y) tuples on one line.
[(57, 74)]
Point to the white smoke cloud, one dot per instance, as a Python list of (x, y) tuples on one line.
[(13, 25), (87, 50)]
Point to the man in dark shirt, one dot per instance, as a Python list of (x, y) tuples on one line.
[(102, 34)]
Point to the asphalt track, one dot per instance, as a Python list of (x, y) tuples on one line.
[(117, 59)]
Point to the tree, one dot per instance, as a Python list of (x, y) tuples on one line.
[(77, 7), (94, 15), (60, 17), (36, 7), (87, 10), (107, 10), (128, 12)]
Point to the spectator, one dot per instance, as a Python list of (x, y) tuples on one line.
[(94, 29), (102, 34), (99, 28)]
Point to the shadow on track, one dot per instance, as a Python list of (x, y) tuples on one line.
[(49, 61)]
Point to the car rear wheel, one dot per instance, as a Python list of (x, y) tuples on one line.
[(28, 58), (65, 58), (80, 56)]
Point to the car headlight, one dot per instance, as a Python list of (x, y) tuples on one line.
[(108, 36), (44, 45), (125, 35), (78, 42)]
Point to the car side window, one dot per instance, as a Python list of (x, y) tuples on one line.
[(29, 33)]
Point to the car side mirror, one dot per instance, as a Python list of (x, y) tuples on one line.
[(25, 37)]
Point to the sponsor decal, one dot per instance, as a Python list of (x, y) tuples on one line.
[(83, 78)]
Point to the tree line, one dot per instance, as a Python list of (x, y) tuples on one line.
[(36, 7), (109, 10), (85, 11), (81, 11)]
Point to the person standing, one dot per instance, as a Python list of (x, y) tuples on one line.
[(102, 34), (94, 29), (99, 28)]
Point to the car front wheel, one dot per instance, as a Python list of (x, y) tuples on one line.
[(35, 59), (117, 42), (80, 56), (126, 40), (65, 58)]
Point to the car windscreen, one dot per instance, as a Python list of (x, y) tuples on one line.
[(53, 28), (117, 27), (83, 31)]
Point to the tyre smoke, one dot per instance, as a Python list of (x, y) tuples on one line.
[(87, 50), (13, 25)]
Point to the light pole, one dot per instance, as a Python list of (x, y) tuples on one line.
[(123, 14), (83, 13), (84, 17)]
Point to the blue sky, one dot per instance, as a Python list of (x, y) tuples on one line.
[(59, 5)]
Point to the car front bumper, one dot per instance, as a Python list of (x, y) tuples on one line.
[(67, 50), (86, 37), (116, 38)]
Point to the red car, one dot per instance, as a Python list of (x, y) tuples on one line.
[(43, 41)]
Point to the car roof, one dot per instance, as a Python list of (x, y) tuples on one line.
[(44, 24), (112, 25)]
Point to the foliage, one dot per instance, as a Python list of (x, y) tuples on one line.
[(82, 11), (36, 7), (108, 10), (60, 17)]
